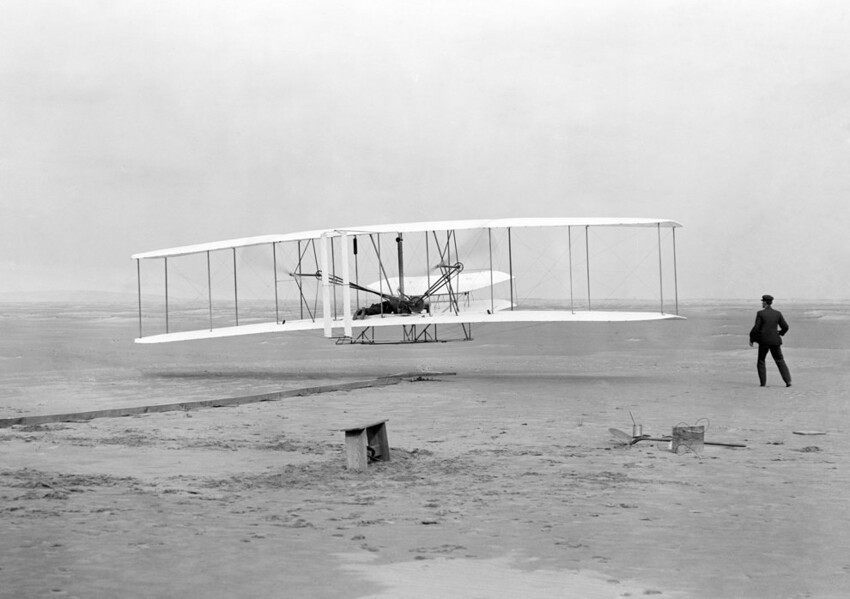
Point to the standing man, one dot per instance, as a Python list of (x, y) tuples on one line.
[(768, 331)]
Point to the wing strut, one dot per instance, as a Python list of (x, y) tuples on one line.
[(380, 269), (298, 281), (326, 286), (139, 281), (660, 271), (297, 276), (511, 267), (274, 263), (400, 243), (490, 250), (356, 273), (346, 288), (382, 274), (675, 274), (445, 263), (165, 260), (570, 243), (587, 258), (235, 290), (427, 260), (209, 288), (333, 272)]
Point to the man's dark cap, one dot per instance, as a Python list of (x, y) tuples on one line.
[(767, 298)]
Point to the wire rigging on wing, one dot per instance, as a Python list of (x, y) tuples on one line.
[(448, 270)]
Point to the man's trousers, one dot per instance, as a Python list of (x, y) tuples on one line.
[(776, 352)]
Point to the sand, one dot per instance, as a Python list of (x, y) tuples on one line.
[(504, 480)]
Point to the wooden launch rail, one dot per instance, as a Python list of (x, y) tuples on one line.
[(214, 403)]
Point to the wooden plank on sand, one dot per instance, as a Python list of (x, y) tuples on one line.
[(210, 403)]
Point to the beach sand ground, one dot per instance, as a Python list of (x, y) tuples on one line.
[(504, 480)]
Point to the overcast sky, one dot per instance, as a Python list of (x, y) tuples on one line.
[(128, 126)]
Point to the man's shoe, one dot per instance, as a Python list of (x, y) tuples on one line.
[(787, 384)]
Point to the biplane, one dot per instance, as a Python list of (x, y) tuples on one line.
[(416, 277)]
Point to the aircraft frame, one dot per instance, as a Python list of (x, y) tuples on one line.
[(334, 257)]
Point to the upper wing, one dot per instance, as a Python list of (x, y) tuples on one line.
[(447, 225), (509, 223), (229, 244)]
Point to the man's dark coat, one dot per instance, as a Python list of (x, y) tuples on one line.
[(769, 327)]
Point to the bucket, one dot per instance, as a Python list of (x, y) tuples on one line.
[(691, 438)]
